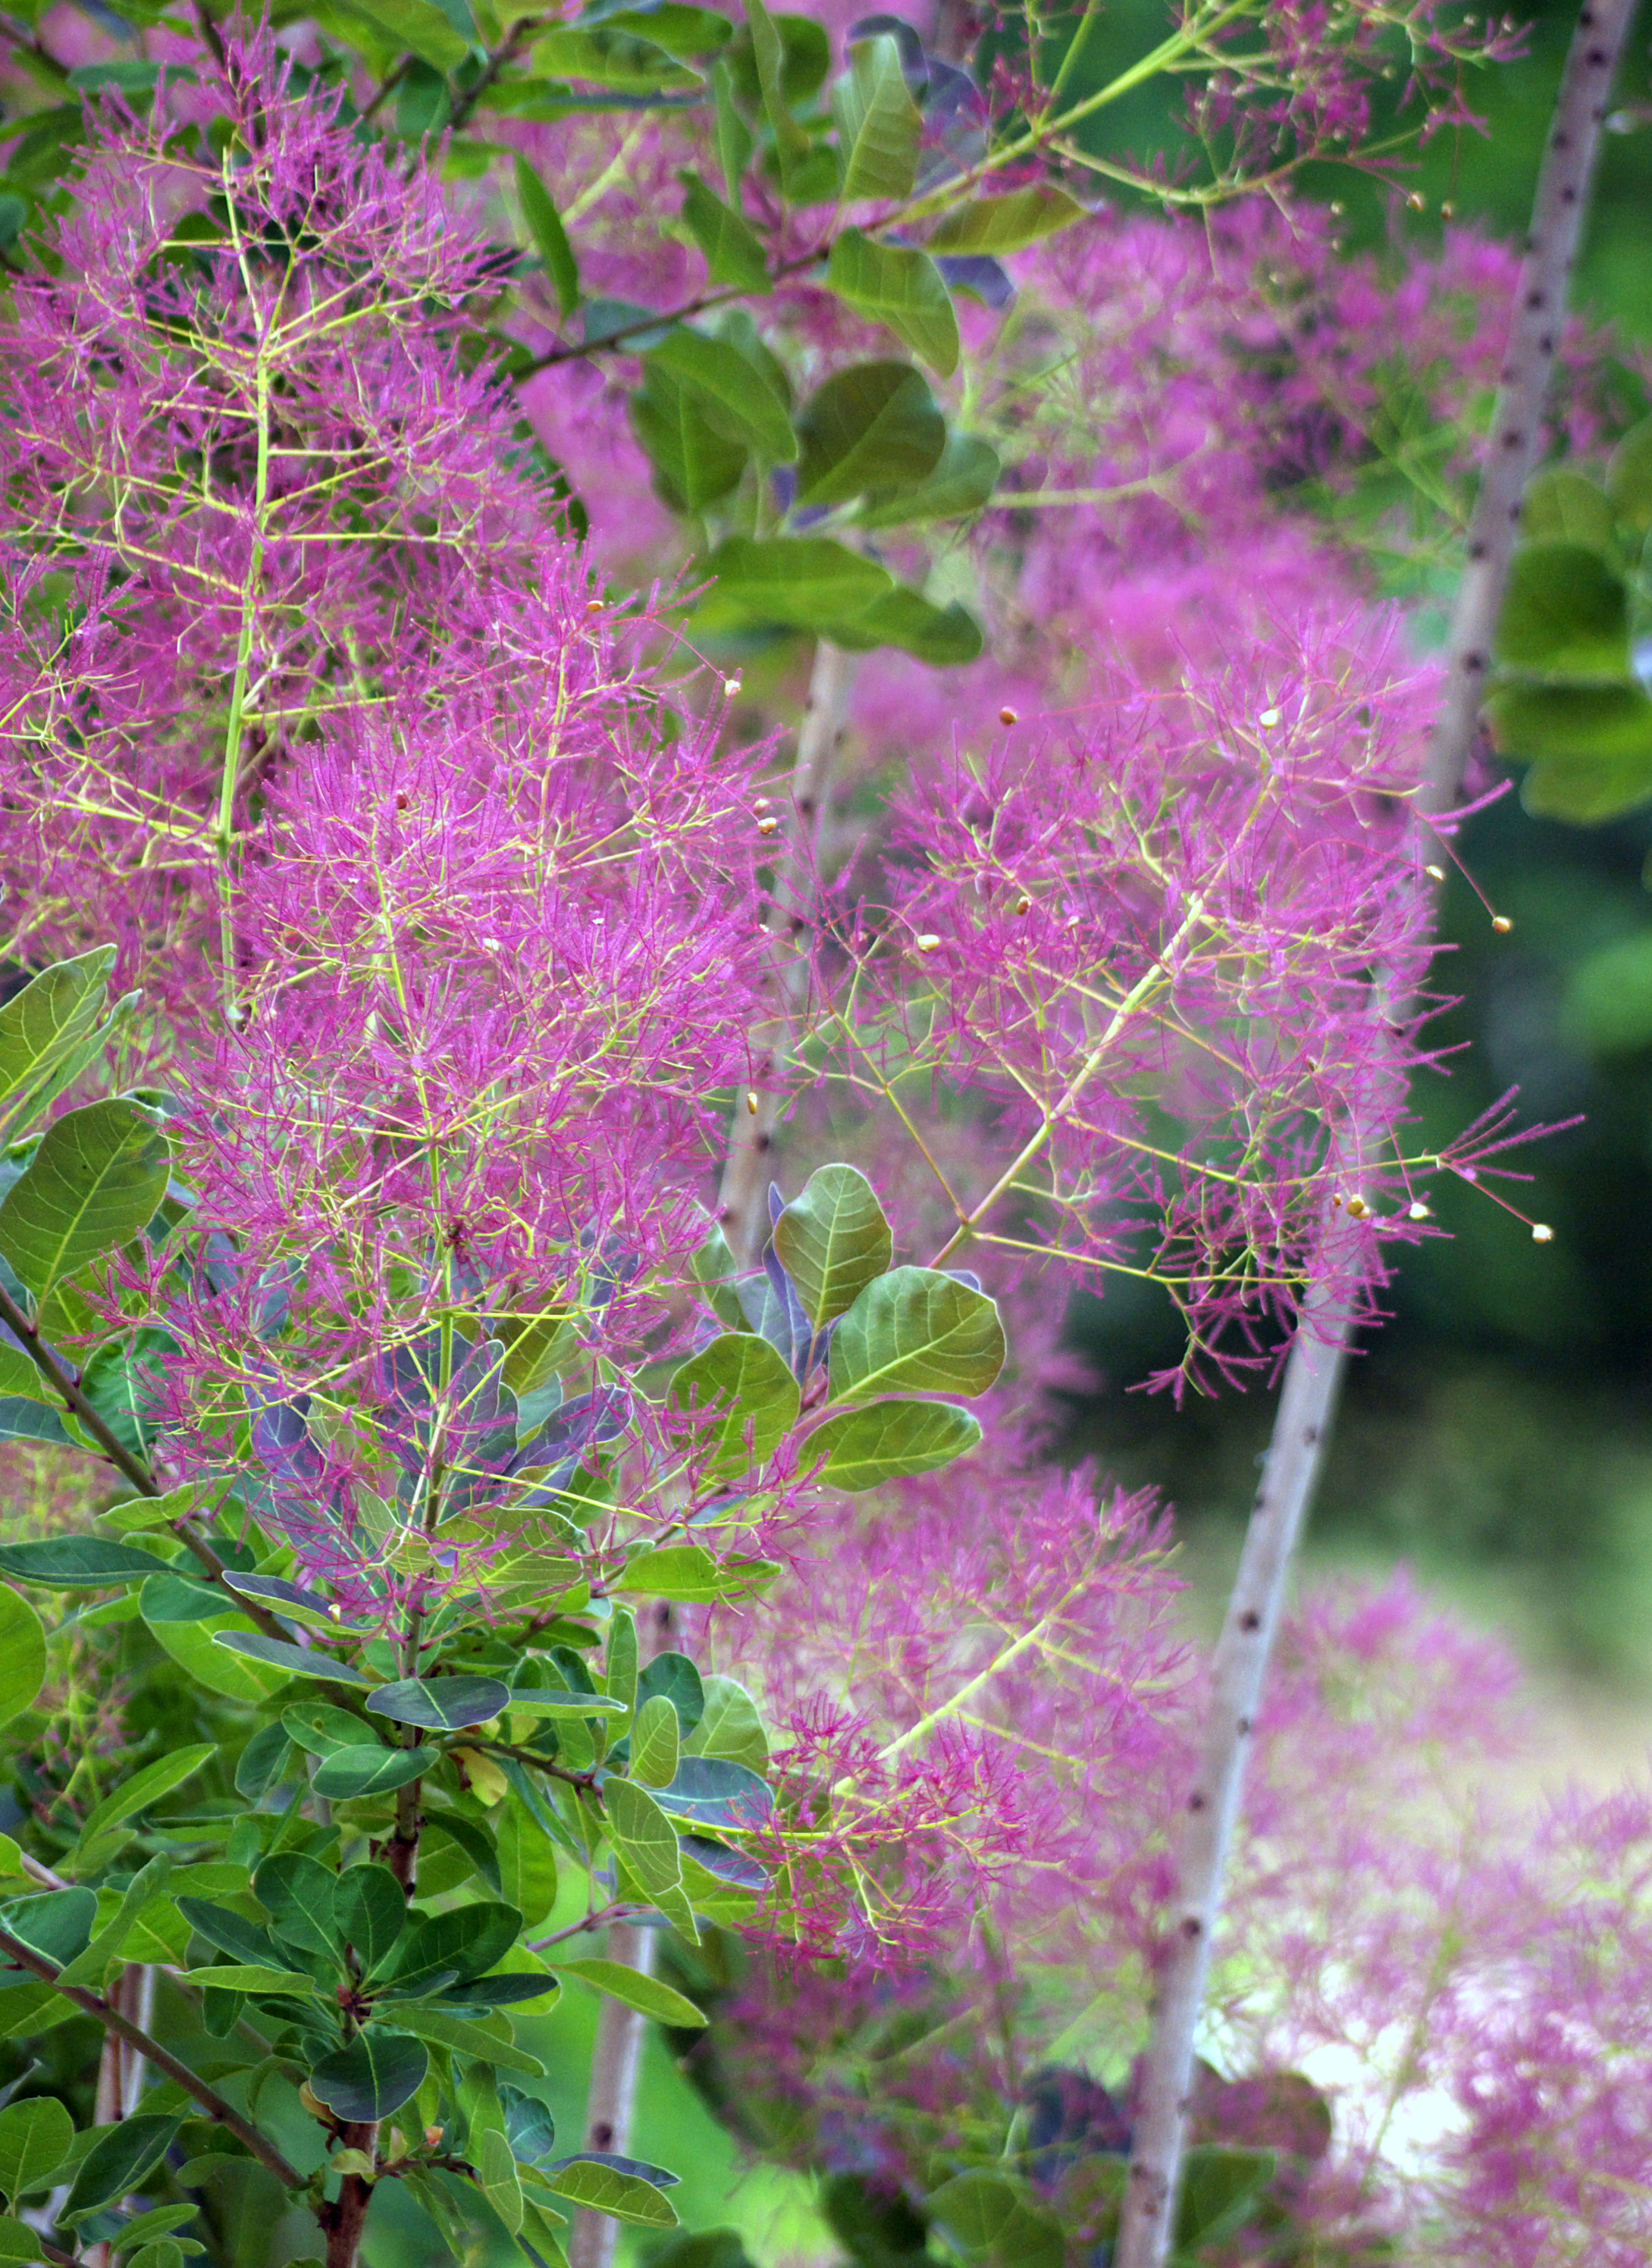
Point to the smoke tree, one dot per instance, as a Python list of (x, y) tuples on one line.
[(436, 443)]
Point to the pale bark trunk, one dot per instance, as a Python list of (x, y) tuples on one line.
[(1314, 1373), (747, 1169), (611, 2104)]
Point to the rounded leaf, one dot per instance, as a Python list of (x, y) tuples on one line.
[(890, 1441), (118, 2161), (35, 2140), (22, 1655), (655, 1741), (94, 1182), (368, 1770), (1567, 615), (441, 1704), (369, 1912), (916, 1330), (740, 1399), (875, 425), (374, 2075), (833, 1239)]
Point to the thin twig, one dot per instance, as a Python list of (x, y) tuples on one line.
[(1314, 1372), (65, 1383), (93, 2004)]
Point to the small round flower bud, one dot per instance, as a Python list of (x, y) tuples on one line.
[(731, 688), (1448, 211), (1418, 202), (1358, 1209), (763, 803), (751, 1100), (928, 943), (433, 2138), (1501, 923), (1434, 873), (1268, 719), (1418, 1210), (1541, 1233), (596, 606), (767, 826), (1008, 717), (1023, 905)]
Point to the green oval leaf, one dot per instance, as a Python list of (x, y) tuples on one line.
[(890, 1441), (368, 1770), (643, 1836), (369, 1912), (730, 1727), (95, 1182), (442, 1704), (736, 398), (118, 2161), (947, 637), (69, 1563), (297, 1661), (22, 1418), (22, 1655), (374, 2075), (551, 237), (1629, 478), (57, 1924), (603, 56), (623, 2197), (49, 1018), (916, 1330), (1586, 794), (875, 425), (421, 26), (998, 2222), (691, 1573), (739, 1398), (800, 582), (732, 249), (35, 2140), (832, 1240), (143, 1788), (656, 1738), (1561, 506), (299, 1893), (901, 288), (879, 125), (694, 462), (1006, 224), (1567, 615), (257, 1977), (962, 482), (290, 1600), (458, 1946)]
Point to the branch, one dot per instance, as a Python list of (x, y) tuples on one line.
[(65, 1383), (751, 1138), (1314, 1373), (93, 2004), (611, 2101)]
